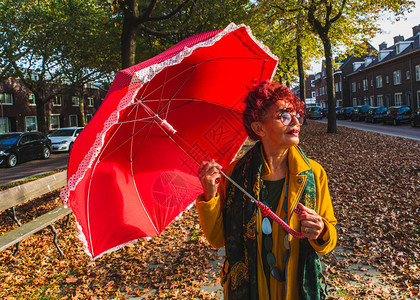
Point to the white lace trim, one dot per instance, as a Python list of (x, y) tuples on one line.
[(138, 79)]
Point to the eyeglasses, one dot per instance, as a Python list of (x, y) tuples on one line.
[(287, 117)]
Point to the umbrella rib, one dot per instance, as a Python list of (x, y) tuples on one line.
[(168, 104), (132, 171), (163, 87), (160, 86), (135, 120), (194, 67), (122, 144)]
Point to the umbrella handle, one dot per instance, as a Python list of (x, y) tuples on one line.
[(266, 210)]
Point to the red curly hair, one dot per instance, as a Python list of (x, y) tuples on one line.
[(259, 100)]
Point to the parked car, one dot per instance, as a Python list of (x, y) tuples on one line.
[(397, 114), (344, 113), (375, 114), (314, 112), (415, 118), (324, 112), (63, 138), (359, 112), (17, 147)]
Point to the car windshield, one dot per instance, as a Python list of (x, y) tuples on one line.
[(62, 132), (8, 139), (403, 109)]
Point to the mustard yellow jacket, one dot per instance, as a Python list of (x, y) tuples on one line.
[(211, 220)]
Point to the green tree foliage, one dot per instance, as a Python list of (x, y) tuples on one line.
[(55, 42), (288, 36), (150, 27), (345, 24)]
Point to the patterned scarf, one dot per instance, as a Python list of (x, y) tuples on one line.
[(240, 214)]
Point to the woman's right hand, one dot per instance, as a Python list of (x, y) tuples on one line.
[(209, 175)]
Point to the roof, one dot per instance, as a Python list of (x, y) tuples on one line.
[(399, 49)]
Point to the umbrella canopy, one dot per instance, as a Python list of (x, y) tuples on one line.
[(133, 169)]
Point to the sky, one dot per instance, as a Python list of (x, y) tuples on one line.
[(391, 29)]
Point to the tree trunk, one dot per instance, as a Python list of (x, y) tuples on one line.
[(40, 114), (82, 105), (332, 124), (128, 42), (301, 71)]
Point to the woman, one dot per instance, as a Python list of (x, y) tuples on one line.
[(262, 260)]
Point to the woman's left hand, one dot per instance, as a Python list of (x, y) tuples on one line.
[(312, 225)]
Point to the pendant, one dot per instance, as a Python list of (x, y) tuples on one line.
[(266, 226)]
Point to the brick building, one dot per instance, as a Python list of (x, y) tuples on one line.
[(391, 77), (18, 110), (341, 81), (310, 99)]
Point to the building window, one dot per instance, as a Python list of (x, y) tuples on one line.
[(418, 73), (408, 98), (4, 124), (354, 101), (6, 98), (365, 84), (90, 102), (75, 101), (407, 75), (387, 79), (372, 100), (397, 77), (398, 98), (418, 98), (338, 87), (379, 81), (339, 102), (313, 94), (353, 86), (31, 99), (30, 124), (54, 122), (380, 100), (57, 100), (88, 117), (73, 121), (365, 100)]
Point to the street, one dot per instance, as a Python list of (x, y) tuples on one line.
[(33, 167), (59, 160), (402, 130)]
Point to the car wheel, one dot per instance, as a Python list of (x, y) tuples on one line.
[(395, 122), (46, 152), (12, 160), (412, 123)]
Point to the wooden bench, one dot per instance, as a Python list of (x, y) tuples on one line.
[(12, 197)]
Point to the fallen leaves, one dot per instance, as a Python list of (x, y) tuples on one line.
[(374, 183)]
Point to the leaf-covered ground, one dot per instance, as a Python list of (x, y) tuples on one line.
[(374, 181)]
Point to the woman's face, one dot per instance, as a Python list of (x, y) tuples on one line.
[(274, 132)]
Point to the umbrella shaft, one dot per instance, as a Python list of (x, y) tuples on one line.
[(239, 187)]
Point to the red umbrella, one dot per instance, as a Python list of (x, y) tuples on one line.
[(133, 169)]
